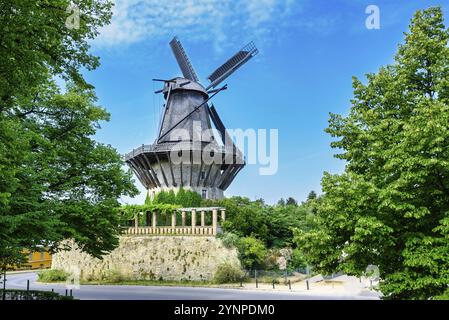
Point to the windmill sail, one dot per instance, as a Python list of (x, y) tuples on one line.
[(235, 62), (220, 126), (183, 60)]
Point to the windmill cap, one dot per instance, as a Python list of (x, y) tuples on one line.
[(184, 84)]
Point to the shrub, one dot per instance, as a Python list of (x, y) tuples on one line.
[(229, 239), (16, 294), (298, 261), (52, 275), (252, 252), (112, 276), (228, 273)]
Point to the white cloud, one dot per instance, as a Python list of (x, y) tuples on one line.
[(221, 21)]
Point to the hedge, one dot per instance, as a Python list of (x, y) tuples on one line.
[(16, 294)]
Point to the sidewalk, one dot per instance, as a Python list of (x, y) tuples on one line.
[(342, 287)]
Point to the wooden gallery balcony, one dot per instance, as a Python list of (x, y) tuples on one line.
[(206, 227)]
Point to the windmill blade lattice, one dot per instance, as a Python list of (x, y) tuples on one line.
[(229, 67), (183, 60)]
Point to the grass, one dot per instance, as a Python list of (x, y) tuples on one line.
[(52, 275), (163, 283)]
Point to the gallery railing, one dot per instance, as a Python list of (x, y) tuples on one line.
[(194, 228), (205, 231)]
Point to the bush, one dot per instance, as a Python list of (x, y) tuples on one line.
[(15, 294), (298, 261), (112, 276), (228, 273), (53, 275), (184, 198), (252, 252), (229, 239)]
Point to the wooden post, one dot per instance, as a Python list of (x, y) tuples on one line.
[(154, 219), (223, 214), (136, 220), (214, 222), (167, 219), (183, 218), (173, 219), (202, 219), (193, 218), (148, 219)]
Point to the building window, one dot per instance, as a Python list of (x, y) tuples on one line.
[(204, 194), (203, 175)]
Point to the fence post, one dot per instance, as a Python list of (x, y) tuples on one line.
[(307, 283), (4, 284), (28, 289), (255, 276), (289, 285), (273, 283), (66, 291), (71, 293)]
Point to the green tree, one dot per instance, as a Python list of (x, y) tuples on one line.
[(184, 198), (160, 197), (390, 207), (35, 40), (312, 195), (171, 197), (243, 217), (56, 182), (148, 199), (66, 185), (281, 202), (181, 197), (252, 252), (291, 202), (281, 221), (297, 261)]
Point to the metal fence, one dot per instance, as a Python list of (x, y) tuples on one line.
[(276, 273)]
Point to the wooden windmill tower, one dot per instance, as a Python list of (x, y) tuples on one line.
[(182, 155)]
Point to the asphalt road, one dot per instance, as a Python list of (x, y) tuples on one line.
[(123, 292)]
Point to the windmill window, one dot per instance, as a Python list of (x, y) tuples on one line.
[(204, 194), (203, 175)]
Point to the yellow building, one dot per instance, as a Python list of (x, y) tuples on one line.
[(39, 260)]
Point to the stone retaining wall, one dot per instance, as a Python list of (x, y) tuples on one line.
[(145, 257)]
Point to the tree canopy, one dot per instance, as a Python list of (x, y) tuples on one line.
[(182, 198), (36, 41)]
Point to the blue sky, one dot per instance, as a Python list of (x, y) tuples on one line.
[(309, 51)]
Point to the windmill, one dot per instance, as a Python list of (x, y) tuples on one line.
[(206, 165)]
